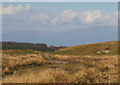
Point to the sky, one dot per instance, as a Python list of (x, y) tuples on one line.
[(58, 17), (60, 1)]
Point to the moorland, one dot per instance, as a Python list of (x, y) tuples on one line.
[(89, 63)]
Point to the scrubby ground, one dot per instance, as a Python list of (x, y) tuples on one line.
[(105, 48), (34, 68)]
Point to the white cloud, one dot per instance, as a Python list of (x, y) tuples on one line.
[(108, 20), (11, 9), (85, 18), (67, 19), (89, 17), (66, 16), (42, 18)]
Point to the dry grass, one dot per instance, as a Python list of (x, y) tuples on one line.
[(47, 76), (98, 69), (18, 52), (90, 49), (91, 69), (11, 63)]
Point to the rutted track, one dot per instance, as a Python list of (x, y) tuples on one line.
[(47, 57), (62, 63)]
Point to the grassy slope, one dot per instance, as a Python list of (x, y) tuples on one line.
[(19, 52), (90, 49)]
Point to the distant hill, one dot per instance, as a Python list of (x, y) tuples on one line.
[(71, 38), (105, 48), (23, 46)]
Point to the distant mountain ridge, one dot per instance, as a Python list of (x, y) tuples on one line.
[(72, 38)]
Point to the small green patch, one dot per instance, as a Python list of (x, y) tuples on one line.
[(72, 72), (104, 69), (69, 66)]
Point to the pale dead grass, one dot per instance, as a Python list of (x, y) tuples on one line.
[(93, 69), (103, 69), (47, 76), (11, 63)]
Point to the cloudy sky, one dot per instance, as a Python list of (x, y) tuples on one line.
[(58, 17)]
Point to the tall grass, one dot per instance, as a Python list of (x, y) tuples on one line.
[(11, 63), (93, 69)]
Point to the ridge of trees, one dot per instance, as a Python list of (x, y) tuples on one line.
[(23, 46)]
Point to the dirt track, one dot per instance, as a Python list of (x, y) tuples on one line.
[(47, 57)]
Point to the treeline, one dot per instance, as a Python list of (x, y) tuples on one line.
[(23, 46)]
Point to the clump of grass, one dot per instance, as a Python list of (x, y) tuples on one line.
[(11, 63), (47, 76)]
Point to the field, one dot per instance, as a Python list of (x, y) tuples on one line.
[(91, 49), (92, 63)]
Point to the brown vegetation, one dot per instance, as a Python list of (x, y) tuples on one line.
[(12, 63), (92, 69)]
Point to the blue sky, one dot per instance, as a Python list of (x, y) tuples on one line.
[(79, 6), (59, 17), (54, 10)]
